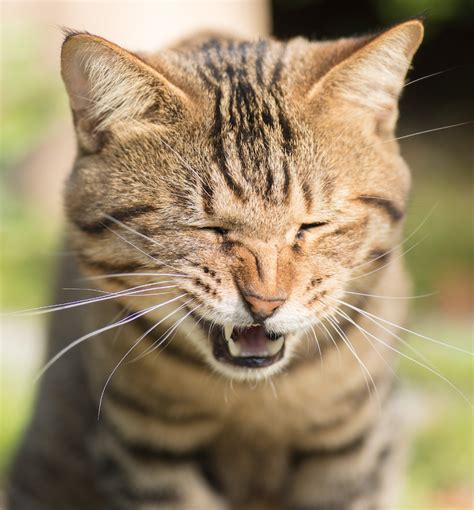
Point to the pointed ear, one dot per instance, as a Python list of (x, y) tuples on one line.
[(107, 85), (373, 76)]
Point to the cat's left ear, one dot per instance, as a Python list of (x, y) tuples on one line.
[(373, 76)]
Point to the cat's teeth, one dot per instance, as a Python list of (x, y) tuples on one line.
[(234, 348), (228, 329), (275, 346)]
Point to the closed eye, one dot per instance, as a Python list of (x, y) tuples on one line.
[(218, 230), (316, 224), (309, 226)]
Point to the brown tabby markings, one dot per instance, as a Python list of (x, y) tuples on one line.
[(246, 169)]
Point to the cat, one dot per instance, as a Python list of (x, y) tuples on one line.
[(239, 205)]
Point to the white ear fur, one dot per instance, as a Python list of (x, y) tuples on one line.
[(373, 76), (107, 84)]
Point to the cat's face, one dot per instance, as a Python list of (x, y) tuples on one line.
[(256, 175)]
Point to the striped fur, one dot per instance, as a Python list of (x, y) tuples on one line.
[(217, 170)]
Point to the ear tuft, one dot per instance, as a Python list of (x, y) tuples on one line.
[(106, 84)]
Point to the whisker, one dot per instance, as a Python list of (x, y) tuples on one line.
[(123, 225), (83, 338), (186, 164), (321, 324), (349, 345), (379, 354), (391, 297), (425, 131), (143, 354), (394, 335), (147, 238), (318, 346), (413, 246), (411, 82), (384, 254), (438, 374), (101, 291), (135, 344), (156, 344), (402, 328), (133, 291), (115, 275)]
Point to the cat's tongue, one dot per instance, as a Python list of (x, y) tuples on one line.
[(253, 342)]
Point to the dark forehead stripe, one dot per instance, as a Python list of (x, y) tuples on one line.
[(248, 106), (219, 149), (384, 204)]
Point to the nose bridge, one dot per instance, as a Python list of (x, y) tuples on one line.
[(263, 277), (262, 274), (266, 260)]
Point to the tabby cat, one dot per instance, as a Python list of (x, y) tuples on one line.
[(238, 206)]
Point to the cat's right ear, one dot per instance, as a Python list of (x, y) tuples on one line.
[(108, 85)]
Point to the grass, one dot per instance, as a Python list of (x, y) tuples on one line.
[(442, 456)]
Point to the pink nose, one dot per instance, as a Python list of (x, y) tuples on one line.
[(263, 307)]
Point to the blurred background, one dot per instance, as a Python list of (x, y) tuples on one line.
[(37, 149)]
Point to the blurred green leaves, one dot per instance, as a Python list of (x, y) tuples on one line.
[(30, 94), (31, 98)]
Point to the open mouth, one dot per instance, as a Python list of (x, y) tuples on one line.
[(251, 347)]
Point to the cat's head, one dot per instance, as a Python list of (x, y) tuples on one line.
[(254, 180)]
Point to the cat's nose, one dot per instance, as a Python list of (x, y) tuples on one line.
[(263, 306)]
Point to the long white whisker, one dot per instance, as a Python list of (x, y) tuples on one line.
[(143, 354), (394, 335), (402, 328), (411, 82), (115, 275), (447, 381), (349, 345), (156, 344), (318, 346), (413, 246), (425, 131), (186, 164), (401, 243), (78, 341), (362, 330), (321, 324), (133, 291), (391, 297), (137, 233), (123, 225), (101, 291), (135, 344), (432, 130)]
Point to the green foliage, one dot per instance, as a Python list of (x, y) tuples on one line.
[(30, 96), (28, 242), (441, 459)]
